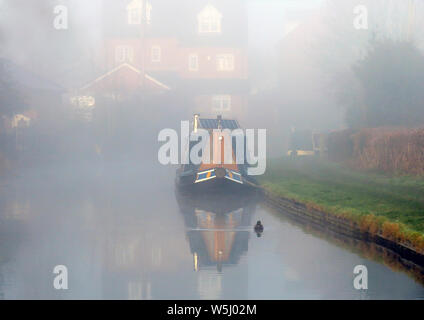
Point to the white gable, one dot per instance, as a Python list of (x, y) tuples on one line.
[(210, 12), (209, 20), (135, 4)]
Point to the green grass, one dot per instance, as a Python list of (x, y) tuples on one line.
[(343, 191)]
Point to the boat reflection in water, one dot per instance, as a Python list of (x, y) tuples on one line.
[(218, 227)]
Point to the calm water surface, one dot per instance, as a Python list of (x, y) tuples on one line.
[(124, 233)]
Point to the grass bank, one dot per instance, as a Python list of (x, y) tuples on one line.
[(389, 205)]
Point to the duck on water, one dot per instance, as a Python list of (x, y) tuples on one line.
[(259, 228)]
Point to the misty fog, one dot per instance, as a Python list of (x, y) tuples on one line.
[(86, 87)]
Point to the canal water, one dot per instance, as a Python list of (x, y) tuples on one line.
[(123, 232)]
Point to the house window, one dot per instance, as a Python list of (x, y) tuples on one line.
[(124, 54), (225, 62), (193, 62), (134, 16), (209, 20), (156, 54), (221, 103), (135, 12)]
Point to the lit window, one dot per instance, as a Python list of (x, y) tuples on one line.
[(156, 54), (124, 54), (193, 62), (225, 62), (221, 103), (209, 20), (134, 16), (135, 12)]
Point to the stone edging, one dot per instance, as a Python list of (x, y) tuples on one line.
[(339, 225)]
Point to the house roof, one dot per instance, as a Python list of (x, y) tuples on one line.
[(182, 20), (179, 19), (129, 67)]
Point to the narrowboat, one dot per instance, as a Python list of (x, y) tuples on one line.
[(218, 168)]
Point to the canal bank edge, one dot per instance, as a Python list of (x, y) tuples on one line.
[(342, 225)]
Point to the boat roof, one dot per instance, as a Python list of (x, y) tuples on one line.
[(213, 124)]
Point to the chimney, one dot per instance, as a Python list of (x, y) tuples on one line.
[(196, 122)]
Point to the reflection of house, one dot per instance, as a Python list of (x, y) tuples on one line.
[(195, 47), (130, 257)]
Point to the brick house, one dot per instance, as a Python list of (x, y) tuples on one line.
[(197, 48)]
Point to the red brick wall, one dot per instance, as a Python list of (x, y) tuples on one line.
[(176, 59), (110, 50), (208, 66), (170, 55), (203, 104)]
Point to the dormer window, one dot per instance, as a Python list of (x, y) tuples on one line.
[(134, 16), (209, 20), (135, 12)]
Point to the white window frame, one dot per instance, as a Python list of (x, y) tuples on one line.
[(225, 62), (209, 20), (156, 54), (134, 16), (191, 57), (221, 102), (124, 53), (135, 12)]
